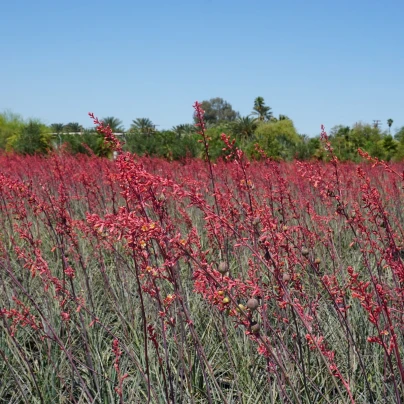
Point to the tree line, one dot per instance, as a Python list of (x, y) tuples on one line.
[(276, 135)]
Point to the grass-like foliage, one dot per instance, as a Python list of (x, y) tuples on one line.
[(140, 280)]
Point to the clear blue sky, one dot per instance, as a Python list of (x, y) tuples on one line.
[(330, 62)]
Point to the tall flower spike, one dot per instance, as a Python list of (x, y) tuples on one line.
[(200, 114), (106, 131)]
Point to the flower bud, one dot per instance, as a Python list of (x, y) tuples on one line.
[(223, 268), (252, 304), (255, 328)]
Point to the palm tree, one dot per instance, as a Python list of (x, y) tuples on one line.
[(389, 122), (143, 125), (245, 126), (262, 111), (73, 127), (184, 129), (57, 128), (280, 118), (114, 123)]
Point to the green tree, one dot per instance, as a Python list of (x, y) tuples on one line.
[(346, 141), (389, 122), (215, 143), (262, 111), (10, 125), (340, 137), (34, 137), (280, 118), (309, 148), (244, 127), (171, 147), (218, 110), (141, 144), (390, 146), (364, 135), (184, 129), (367, 137), (73, 127), (114, 123), (143, 126), (87, 142), (57, 128), (376, 149), (278, 139), (399, 135)]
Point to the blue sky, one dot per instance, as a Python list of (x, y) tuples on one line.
[(319, 62)]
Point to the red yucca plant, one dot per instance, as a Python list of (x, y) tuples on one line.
[(228, 281)]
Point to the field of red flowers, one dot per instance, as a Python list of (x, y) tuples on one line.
[(140, 280)]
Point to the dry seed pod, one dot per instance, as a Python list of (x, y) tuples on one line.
[(286, 277), (223, 268), (256, 221), (252, 304), (305, 252), (317, 261), (255, 329)]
